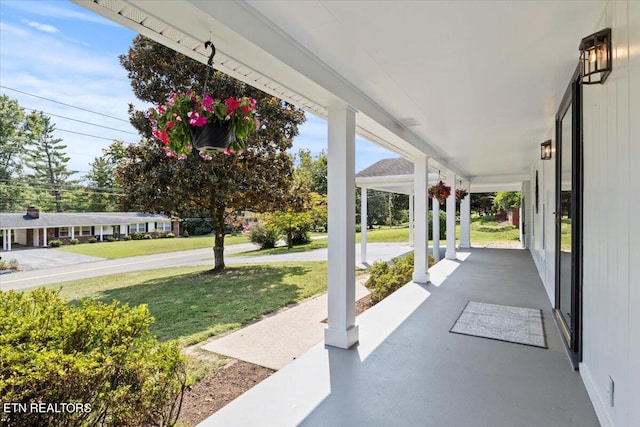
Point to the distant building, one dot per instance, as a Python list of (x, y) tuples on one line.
[(37, 229)]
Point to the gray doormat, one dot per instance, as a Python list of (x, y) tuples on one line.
[(503, 323)]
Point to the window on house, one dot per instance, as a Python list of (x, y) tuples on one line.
[(84, 230), (64, 232), (163, 226), (138, 228)]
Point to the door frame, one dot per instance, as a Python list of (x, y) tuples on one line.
[(571, 334)]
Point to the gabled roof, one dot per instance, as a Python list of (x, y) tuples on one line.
[(18, 220), (388, 167)]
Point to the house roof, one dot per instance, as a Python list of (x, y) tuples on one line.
[(388, 167), (18, 220)]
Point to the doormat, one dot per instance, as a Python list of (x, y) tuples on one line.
[(503, 323)]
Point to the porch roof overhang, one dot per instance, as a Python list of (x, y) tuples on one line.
[(474, 85)]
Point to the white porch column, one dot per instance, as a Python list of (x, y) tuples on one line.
[(363, 225), (101, 233), (4, 240), (420, 266), (73, 232), (465, 220), (451, 219), (411, 219), (9, 238), (436, 229), (44, 237), (341, 331)]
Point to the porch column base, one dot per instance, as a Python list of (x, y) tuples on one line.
[(420, 278), (341, 338)]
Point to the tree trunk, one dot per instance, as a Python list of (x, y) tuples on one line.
[(218, 247)]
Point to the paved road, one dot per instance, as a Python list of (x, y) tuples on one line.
[(80, 267)]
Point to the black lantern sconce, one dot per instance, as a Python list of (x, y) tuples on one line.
[(545, 150), (595, 57)]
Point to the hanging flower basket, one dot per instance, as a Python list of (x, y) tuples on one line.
[(212, 137), (210, 125), (461, 193), (440, 192)]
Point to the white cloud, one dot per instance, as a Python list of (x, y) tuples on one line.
[(52, 10), (43, 27)]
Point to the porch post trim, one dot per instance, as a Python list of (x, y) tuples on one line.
[(451, 219), (44, 237), (420, 266), (341, 331)]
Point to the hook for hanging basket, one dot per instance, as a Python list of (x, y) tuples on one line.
[(208, 44)]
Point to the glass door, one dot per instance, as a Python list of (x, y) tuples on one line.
[(568, 216)]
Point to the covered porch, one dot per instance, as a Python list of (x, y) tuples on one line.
[(409, 370)]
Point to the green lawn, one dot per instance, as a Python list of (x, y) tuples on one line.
[(190, 304), (123, 249)]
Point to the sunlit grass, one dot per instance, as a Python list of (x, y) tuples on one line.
[(191, 304), (123, 249)]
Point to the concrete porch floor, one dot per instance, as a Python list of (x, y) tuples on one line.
[(409, 370)]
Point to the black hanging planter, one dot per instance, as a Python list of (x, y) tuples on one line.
[(214, 136)]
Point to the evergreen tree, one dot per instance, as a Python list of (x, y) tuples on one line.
[(46, 156)]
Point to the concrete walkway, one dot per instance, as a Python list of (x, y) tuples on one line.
[(282, 337)]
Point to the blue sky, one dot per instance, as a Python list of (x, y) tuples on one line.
[(62, 52)]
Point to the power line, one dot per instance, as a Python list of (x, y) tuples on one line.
[(95, 136), (62, 103), (82, 121)]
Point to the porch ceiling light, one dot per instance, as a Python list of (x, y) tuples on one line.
[(545, 150), (595, 57)]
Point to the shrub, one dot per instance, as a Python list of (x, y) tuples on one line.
[(126, 238), (97, 355), (147, 237), (385, 279), (197, 226), (74, 241), (11, 265), (92, 240), (264, 237), (168, 235), (55, 243), (300, 237), (185, 233), (136, 236)]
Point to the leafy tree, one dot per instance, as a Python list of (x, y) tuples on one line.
[(319, 212), (295, 220), (12, 140), (482, 203), (312, 171), (257, 181), (104, 190), (46, 156), (505, 200)]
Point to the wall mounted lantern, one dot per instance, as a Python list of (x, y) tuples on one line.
[(545, 150), (595, 57)]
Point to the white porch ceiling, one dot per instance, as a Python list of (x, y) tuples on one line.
[(474, 84)]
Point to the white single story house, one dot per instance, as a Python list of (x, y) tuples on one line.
[(37, 229), (537, 96)]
